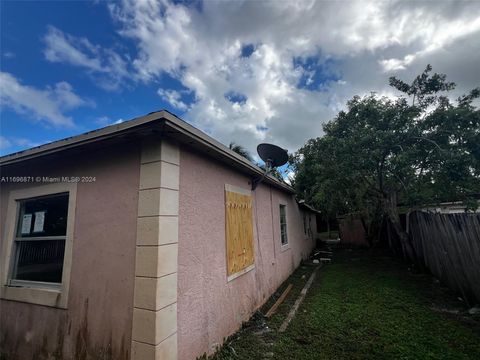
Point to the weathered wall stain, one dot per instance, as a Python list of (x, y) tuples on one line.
[(98, 320), (85, 347), (81, 342)]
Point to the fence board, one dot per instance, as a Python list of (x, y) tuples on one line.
[(449, 246)]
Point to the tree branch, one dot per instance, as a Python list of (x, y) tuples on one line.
[(431, 141)]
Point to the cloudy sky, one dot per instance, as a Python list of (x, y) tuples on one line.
[(242, 71)]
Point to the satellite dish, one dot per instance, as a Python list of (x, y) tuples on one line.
[(272, 155)]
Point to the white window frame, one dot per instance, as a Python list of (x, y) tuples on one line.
[(36, 292), (286, 245)]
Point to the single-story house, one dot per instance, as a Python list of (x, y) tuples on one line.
[(141, 240)]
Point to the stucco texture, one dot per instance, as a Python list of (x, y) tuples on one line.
[(209, 307), (97, 323)]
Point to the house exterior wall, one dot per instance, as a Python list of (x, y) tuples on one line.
[(310, 230), (154, 332), (97, 322), (108, 286), (210, 308)]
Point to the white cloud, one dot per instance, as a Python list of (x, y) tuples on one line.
[(9, 55), (357, 46), (433, 41), (48, 105), (62, 47), (6, 143), (173, 97), (105, 66), (102, 121), (106, 121), (63, 94)]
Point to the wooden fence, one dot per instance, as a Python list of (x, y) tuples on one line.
[(449, 246), (352, 232)]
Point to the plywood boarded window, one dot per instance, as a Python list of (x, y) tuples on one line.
[(239, 229)]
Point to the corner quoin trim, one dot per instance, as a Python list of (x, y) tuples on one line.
[(154, 327)]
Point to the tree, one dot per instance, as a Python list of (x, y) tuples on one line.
[(272, 172), (240, 150), (418, 148)]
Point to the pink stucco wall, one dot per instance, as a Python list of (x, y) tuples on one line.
[(209, 307), (98, 321)]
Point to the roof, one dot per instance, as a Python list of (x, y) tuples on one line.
[(308, 207), (160, 123)]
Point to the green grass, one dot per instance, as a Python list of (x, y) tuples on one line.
[(362, 306), (334, 234)]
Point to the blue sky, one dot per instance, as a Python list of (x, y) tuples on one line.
[(24, 27), (242, 71)]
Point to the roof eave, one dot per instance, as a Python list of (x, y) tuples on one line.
[(309, 207), (164, 120), (80, 140)]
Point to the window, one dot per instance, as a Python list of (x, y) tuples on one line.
[(239, 231), (305, 223), (39, 245), (37, 256), (283, 224), (310, 233)]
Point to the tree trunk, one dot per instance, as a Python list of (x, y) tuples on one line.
[(366, 229), (389, 237), (328, 228), (391, 211)]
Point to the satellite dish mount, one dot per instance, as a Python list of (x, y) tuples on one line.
[(273, 156)]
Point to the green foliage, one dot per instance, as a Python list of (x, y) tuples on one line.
[(240, 150), (424, 88), (273, 172), (420, 151)]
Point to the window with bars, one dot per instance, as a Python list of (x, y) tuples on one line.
[(283, 224), (39, 244)]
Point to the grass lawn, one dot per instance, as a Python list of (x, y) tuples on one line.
[(362, 306), (334, 234)]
